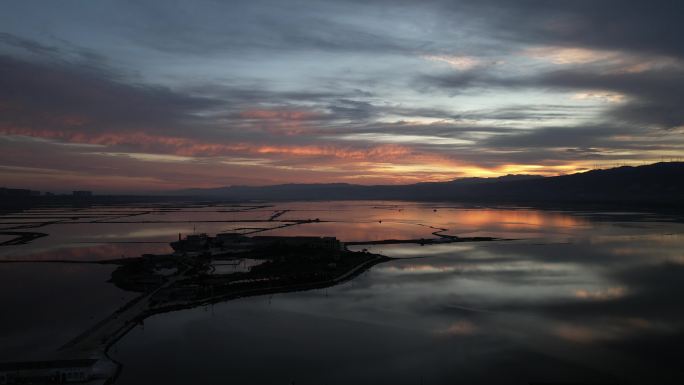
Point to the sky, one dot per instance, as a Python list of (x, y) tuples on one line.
[(131, 96)]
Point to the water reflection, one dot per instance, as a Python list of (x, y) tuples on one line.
[(577, 297), (45, 305), (88, 252)]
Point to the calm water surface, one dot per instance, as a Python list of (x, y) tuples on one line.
[(571, 296)]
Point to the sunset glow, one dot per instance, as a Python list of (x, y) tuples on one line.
[(332, 92)]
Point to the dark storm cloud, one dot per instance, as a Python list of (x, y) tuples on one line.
[(57, 95), (657, 94), (101, 101), (637, 27), (27, 44), (353, 109), (313, 26), (654, 96), (523, 112), (650, 27), (640, 28), (326, 36), (450, 124), (499, 157), (246, 26), (459, 82), (634, 25), (50, 96), (58, 52), (561, 137), (51, 93)]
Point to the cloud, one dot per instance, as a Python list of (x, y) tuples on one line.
[(601, 295), (56, 95), (651, 28), (458, 62), (344, 89), (551, 137), (28, 45), (245, 27), (460, 328), (565, 55), (651, 97)]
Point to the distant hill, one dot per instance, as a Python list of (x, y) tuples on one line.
[(655, 183), (336, 191)]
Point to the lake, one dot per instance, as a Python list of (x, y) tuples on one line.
[(564, 296)]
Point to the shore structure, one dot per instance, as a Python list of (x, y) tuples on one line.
[(188, 278), (236, 243)]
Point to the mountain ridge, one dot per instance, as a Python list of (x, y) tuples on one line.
[(662, 181)]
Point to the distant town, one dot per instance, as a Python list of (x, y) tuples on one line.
[(25, 193)]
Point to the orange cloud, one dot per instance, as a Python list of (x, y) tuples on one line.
[(606, 330), (460, 328), (269, 114), (601, 295), (191, 147), (376, 152), (280, 121), (379, 163)]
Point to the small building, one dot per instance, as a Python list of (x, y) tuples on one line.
[(82, 194), (191, 243)]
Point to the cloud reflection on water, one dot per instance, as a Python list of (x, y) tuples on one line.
[(577, 297)]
